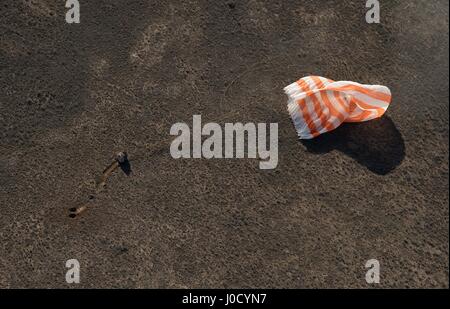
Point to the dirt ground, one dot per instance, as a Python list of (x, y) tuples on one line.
[(73, 95)]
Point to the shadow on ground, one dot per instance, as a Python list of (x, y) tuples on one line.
[(126, 167), (376, 144)]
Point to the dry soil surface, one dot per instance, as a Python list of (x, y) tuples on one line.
[(74, 95)]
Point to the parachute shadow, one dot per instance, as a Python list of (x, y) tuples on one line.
[(376, 144)]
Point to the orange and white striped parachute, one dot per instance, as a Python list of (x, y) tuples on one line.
[(318, 105)]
